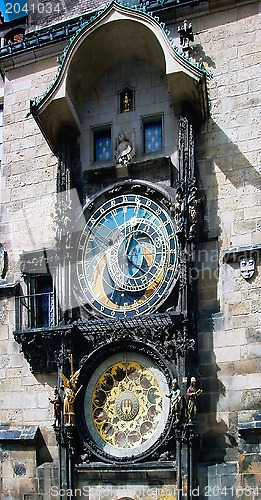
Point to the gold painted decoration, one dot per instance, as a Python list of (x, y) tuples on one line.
[(126, 405)]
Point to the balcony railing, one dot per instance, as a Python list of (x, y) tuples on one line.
[(35, 311)]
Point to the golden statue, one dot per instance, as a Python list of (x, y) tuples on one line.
[(70, 393), (126, 103)]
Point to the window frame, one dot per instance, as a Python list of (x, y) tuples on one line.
[(33, 313), (95, 131), (150, 120)]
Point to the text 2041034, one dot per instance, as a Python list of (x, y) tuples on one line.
[(21, 7)]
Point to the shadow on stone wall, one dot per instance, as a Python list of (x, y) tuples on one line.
[(42, 455), (197, 52), (229, 158), (217, 157)]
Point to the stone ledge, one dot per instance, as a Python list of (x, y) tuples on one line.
[(254, 426), (236, 253), (155, 470), (23, 433), (7, 289)]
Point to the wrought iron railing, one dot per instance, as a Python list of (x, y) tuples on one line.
[(35, 311)]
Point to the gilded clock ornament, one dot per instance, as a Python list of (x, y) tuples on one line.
[(126, 411), (125, 405), (127, 253)]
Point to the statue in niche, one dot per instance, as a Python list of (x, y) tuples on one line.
[(193, 206), (126, 99), (191, 399), (57, 406), (125, 152), (126, 103), (175, 400)]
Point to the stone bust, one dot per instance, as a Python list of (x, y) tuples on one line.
[(124, 151)]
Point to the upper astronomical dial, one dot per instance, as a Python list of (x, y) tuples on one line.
[(127, 256), (137, 255)]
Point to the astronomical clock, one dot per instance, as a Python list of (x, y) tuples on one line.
[(127, 266), (127, 252)]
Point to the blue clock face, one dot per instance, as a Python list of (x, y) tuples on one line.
[(127, 256)]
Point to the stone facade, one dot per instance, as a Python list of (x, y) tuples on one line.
[(228, 338), (227, 152)]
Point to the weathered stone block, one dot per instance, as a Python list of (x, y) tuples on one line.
[(250, 464), (227, 353), (245, 366), (244, 320), (251, 399)]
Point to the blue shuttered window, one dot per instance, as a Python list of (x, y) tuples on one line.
[(102, 145), (152, 136)]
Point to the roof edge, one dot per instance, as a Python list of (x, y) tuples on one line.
[(36, 103)]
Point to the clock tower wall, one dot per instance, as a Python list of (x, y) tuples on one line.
[(115, 136)]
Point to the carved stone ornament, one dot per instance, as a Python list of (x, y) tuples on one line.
[(45, 349), (125, 148), (247, 267), (39, 347), (126, 99), (186, 35), (193, 208)]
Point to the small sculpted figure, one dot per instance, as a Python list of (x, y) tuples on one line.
[(57, 406), (175, 400), (70, 393), (124, 150), (191, 399)]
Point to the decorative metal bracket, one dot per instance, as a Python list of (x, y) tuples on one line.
[(44, 348)]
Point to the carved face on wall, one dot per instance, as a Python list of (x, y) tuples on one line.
[(247, 267)]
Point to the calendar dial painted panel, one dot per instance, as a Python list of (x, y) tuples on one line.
[(126, 410)]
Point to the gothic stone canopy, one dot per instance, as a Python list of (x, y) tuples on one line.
[(115, 35)]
